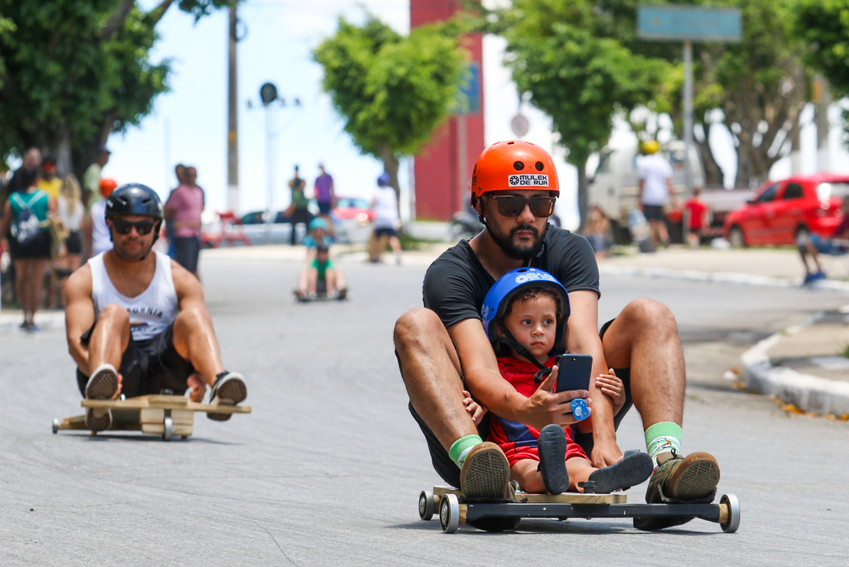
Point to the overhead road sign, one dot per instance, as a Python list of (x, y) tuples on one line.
[(687, 23)]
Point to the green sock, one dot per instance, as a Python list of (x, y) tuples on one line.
[(461, 446), (663, 437)]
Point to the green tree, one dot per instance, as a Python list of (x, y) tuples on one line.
[(823, 26), (573, 73), (392, 90), (73, 71)]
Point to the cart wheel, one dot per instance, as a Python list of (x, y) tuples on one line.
[(449, 513), (169, 427), (55, 425), (426, 505), (732, 518)]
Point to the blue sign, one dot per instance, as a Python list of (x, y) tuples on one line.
[(470, 91), (686, 23)]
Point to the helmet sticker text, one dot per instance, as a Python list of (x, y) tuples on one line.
[(528, 180)]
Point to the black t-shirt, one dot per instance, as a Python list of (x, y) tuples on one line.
[(456, 283)]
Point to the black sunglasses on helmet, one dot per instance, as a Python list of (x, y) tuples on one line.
[(513, 205), (123, 226)]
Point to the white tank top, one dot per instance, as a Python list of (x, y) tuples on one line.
[(101, 240), (151, 311)]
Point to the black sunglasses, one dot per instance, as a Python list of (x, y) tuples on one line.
[(513, 205), (124, 226)]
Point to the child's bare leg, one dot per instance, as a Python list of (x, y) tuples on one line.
[(579, 470), (526, 473), (312, 280), (330, 277)]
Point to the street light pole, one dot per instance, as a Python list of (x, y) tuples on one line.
[(233, 119), (268, 94)]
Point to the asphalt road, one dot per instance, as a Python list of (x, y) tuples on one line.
[(328, 467)]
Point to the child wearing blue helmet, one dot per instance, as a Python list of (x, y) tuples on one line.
[(524, 315), (320, 277)]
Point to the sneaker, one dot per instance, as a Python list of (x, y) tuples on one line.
[(552, 459), (32, 328), (680, 479), (485, 472), (820, 275), (633, 469), (103, 383), (229, 389)]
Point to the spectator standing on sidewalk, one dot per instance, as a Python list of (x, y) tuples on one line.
[(325, 196), (48, 182), (92, 176), (183, 210), (696, 213), (95, 229), (31, 161), (655, 176), (24, 222), (597, 231), (298, 211), (70, 210), (386, 219)]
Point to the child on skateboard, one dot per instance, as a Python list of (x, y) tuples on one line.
[(320, 277), (524, 315)]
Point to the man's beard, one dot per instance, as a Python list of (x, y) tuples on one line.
[(513, 251), (131, 256)]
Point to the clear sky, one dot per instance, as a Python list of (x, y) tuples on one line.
[(188, 125)]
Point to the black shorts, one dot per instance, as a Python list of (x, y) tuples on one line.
[(378, 232), (186, 251), (149, 366), (36, 248), (74, 242), (654, 212), (324, 207), (450, 473)]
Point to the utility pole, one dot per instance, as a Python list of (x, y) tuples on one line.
[(233, 119), (822, 100)]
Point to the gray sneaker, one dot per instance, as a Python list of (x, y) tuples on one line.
[(485, 472), (229, 390), (101, 385)]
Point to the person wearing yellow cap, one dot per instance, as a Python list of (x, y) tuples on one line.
[(655, 176)]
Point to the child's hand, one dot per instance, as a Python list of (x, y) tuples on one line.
[(612, 386), (474, 409)]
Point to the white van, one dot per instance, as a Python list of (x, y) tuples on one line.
[(614, 186)]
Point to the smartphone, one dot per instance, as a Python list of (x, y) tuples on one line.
[(575, 371)]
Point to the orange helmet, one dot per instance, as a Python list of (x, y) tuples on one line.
[(107, 186), (513, 165)]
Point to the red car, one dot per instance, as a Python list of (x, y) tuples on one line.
[(782, 210), (353, 208)]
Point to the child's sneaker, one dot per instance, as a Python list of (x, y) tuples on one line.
[(680, 479), (552, 459), (485, 472), (229, 389), (633, 469)]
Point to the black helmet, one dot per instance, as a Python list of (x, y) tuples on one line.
[(134, 199)]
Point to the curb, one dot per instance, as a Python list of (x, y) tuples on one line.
[(808, 393)]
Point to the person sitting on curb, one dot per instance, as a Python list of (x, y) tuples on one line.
[(810, 247), (444, 354), (524, 315), (136, 321)]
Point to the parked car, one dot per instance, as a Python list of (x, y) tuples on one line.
[(353, 208), (781, 211)]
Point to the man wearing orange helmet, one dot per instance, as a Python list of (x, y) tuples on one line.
[(449, 367)]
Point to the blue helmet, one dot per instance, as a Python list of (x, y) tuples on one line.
[(318, 222), (499, 295), (384, 179)]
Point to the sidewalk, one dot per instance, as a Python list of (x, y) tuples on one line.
[(802, 365)]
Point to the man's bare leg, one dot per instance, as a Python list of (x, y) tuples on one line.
[(109, 339), (431, 372), (644, 338), (194, 340)]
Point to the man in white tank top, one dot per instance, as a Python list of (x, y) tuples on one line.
[(136, 321)]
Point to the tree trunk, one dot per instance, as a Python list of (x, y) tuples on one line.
[(390, 166)]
